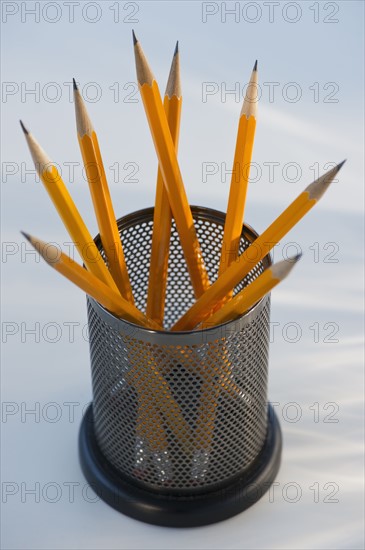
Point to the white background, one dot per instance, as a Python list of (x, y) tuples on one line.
[(315, 117)]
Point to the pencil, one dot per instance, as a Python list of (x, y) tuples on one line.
[(211, 386), (151, 440), (170, 171), (201, 309), (101, 198), (162, 214), (252, 293), (90, 284), (162, 225), (240, 175), (149, 421), (153, 381), (207, 410), (68, 212), (124, 309), (188, 359)]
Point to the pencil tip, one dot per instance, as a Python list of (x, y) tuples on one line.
[(26, 235), (75, 85), (297, 257), (255, 66), (318, 187), (176, 48), (23, 128), (134, 38)]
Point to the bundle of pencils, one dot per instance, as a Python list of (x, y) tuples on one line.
[(104, 275), (108, 281)]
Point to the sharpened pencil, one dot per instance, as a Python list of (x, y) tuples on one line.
[(162, 216), (67, 211), (101, 198), (170, 171), (240, 174), (204, 305), (252, 293), (90, 284)]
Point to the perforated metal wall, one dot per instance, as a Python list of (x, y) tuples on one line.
[(179, 411)]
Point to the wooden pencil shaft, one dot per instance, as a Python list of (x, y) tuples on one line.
[(170, 171), (240, 174), (104, 182), (214, 382), (209, 394), (105, 216), (102, 294), (249, 296), (100, 193), (162, 224), (149, 422), (254, 292), (68, 213), (238, 192), (237, 306), (246, 261), (175, 187), (239, 181), (159, 387), (90, 284), (225, 380)]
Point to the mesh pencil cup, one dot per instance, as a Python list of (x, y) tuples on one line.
[(179, 432)]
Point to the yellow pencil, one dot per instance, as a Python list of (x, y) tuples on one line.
[(90, 284), (148, 378), (151, 440), (154, 382), (240, 175), (252, 293), (162, 213), (68, 212), (170, 171), (161, 238), (101, 198), (213, 377), (203, 307), (189, 360), (149, 421)]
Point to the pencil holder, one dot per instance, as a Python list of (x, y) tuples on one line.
[(179, 432)]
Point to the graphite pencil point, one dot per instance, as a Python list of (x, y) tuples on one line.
[(26, 235), (23, 128)]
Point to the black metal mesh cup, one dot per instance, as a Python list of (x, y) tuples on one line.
[(179, 432)]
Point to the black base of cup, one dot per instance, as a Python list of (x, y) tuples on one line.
[(179, 511)]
